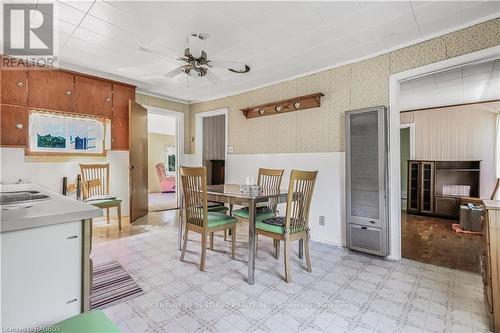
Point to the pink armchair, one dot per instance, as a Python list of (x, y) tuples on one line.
[(167, 183)]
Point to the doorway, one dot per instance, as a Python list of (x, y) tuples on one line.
[(163, 160), (211, 131), (453, 109)]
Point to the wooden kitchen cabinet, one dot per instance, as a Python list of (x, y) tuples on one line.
[(119, 134), (490, 262), (14, 86), (51, 90), (13, 126), (119, 123), (93, 96), (121, 96)]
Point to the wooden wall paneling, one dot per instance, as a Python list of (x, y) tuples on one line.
[(13, 126), (51, 90), (14, 86), (93, 96)]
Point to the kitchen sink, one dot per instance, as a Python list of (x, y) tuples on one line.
[(14, 197)]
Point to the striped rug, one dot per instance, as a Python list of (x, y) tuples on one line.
[(112, 285)]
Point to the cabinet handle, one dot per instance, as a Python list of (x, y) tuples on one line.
[(372, 222), (68, 92), (72, 237), (72, 301), (19, 126), (20, 84)]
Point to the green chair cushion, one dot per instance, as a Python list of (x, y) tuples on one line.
[(218, 219), (104, 202), (269, 227), (218, 209), (93, 321), (275, 225), (259, 216)]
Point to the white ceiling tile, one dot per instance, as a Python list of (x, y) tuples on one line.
[(65, 13), (473, 10), (330, 11), (107, 12), (277, 39), (83, 6), (112, 32), (435, 10)]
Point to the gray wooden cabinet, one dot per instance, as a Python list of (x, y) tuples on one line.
[(366, 181)]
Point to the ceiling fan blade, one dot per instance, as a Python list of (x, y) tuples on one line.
[(158, 53), (173, 73), (213, 79), (194, 43), (237, 66)]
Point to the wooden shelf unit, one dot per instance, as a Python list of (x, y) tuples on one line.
[(425, 186)]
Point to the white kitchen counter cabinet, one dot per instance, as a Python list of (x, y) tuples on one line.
[(45, 260), (41, 274)]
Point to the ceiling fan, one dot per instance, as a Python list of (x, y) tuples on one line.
[(197, 63)]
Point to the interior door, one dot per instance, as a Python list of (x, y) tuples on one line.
[(138, 154)]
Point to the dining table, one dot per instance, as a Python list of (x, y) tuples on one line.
[(231, 195)]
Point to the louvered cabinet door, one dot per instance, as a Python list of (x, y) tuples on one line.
[(365, 179)]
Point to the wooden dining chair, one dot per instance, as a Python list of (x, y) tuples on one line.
[(294, 225), (95, 183), (269, 180), (197, 218)]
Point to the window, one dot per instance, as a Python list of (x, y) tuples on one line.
[(170, 159), (65, 134)]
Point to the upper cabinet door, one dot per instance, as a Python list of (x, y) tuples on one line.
[(13, 126), (14, 86), (121, 96), (93, 97), (51, 90)]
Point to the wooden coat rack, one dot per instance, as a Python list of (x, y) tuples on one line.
[(287, 105)]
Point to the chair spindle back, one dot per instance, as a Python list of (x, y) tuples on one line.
[(300, 193), (194, 187), (95, 179), (270, 181)]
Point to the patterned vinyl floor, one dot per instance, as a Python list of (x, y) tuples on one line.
[(346, 292)]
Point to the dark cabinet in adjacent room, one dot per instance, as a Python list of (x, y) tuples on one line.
[(435, 187)]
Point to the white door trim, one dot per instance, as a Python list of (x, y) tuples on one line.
[(394, 136), (199, 133), (179, 137)]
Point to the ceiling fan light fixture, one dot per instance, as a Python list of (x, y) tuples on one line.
[(296, 105), (261, 112), (277, 108)]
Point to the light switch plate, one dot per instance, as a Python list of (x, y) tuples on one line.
[(322, 220), (230, 149)]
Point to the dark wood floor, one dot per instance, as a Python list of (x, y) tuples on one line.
[(431, 240)]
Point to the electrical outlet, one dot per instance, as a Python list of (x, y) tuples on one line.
[(321, 220)]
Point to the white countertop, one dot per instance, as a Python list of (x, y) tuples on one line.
[(57, 209), (492, 204)]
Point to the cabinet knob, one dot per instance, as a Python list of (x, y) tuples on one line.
[(20, 84), (108, 99), (19, 126), (68, 92)]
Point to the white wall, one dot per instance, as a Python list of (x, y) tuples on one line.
[(49, 174), (329, 194)]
